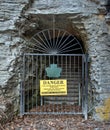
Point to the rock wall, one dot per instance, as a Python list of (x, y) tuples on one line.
[(10, 46), (87, 19)]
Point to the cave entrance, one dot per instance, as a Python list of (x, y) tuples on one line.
[(56, 65)]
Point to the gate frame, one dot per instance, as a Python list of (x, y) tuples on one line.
[(85, 87)]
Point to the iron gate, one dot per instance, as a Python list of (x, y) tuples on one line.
[(73, 69)]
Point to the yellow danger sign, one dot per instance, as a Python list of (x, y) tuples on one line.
[(53, 87)]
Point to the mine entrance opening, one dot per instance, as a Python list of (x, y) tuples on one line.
[(55, 50)]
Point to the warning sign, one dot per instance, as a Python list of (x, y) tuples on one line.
[(53, 87)]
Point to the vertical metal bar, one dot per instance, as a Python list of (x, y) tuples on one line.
[(62, 66), (78, 70), (41, 103), (22, 95), (79, 94), (83, 68), (74, 67), (32, 85), (66, 78), (37, 89), (53, 57), (53, 31), (45, 61), (70, 63), (49, 59), (49, 62), (74, 75), (23, 90), (79, 76), (86, 86), (21, 99), (28, 84)]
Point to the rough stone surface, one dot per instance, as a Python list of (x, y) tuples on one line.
[(86, 19)]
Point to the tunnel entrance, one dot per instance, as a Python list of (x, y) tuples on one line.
[(54, 56)]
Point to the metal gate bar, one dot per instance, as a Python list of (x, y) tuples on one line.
[(74, 70)]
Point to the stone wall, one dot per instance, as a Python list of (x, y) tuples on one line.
[(10, 46), (86, 19)]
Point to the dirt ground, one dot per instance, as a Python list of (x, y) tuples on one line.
[(53, 122)]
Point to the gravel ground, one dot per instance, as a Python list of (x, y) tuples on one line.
[(52, 122)]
